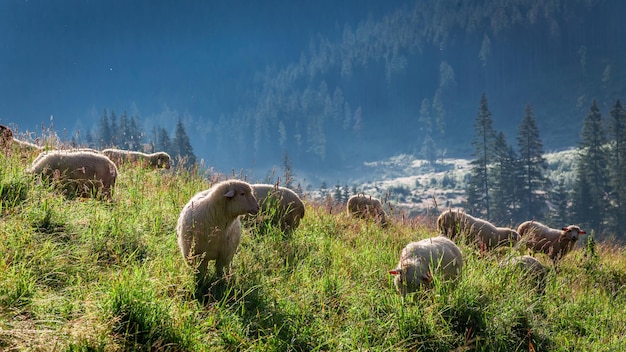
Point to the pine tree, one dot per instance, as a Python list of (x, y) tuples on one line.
[(164, 143), (182, 145), (104, 131), (505, 182), (559, 196), (123, 140), (116, 131), (534, 166), (617, 171), (287, 171), (425, 131), (135, 134), (592, 171), (483, 142)]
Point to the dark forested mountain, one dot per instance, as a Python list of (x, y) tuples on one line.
[(329, 84)]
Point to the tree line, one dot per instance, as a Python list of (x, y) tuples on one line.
[(126, 133), (509, 185)]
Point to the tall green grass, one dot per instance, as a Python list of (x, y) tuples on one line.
[(89, 275)]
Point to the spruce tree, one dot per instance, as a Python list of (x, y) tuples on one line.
[(533, 166), (617, 171), (182, 145), (135, 135), (123, 139), (116, 131), (592, 171), (478, 197), (164, 143), (559, 196), (505, 182), (287, 171), (104, 131)]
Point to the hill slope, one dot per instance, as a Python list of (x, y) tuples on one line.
[(88, 275)]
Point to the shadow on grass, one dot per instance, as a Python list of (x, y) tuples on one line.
[(263, 317)]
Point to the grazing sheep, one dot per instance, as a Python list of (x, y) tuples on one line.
[(532, 268), (362, 206), (81, 173), (208, 227), (280, 205), (453, 223), (8, 143), (420, 259), (156, 160), (553, 242)]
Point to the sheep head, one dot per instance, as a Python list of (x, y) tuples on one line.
[(572, 233), (408, 279), (240, 199)]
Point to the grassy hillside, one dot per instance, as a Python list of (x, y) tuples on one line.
[(84, 275)]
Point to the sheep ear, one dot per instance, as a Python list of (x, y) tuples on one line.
[(230, 193), (395, 271), (581, 232), (565, 229)]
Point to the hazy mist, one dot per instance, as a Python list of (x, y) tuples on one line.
[(330, 84)]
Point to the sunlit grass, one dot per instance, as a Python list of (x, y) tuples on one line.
[(89, 275)]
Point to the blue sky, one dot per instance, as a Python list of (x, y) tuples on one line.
[(68, 58)]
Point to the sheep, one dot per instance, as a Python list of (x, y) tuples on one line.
[(420, 259), (362, 206), (532, 268), (81, 173), (281, 205), (553, 242), (453, 223), (209, 228), (9, 143), (154, 160)]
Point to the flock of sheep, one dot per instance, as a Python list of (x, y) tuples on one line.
[(209, 225)]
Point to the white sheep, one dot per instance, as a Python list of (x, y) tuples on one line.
[(81, 173), (156, 160), (482, 233), (363, 207), (208, 227), (555, 243), (420, 259), (280, 205), (9, 144)]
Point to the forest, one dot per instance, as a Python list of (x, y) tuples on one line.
[(392, 85), (509, 184)]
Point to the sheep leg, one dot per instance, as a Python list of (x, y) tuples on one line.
[(201, 272)]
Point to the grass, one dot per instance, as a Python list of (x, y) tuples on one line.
[(88, 275)]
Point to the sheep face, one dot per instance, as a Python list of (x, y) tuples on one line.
[(240, 199), (6, 136), (572, 233), (409, 279), (163, 160)]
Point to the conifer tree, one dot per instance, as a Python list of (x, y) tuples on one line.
[(592, 172), (104, 131), (116, 131), (135, 139), (533, 166), (123, 140), (505, 184), (617, 171), (164, 143), (425, 131), (287, 171), (182, 145), (559, 196), (483, 142)]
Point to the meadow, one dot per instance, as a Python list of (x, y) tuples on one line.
[(89, 275)]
